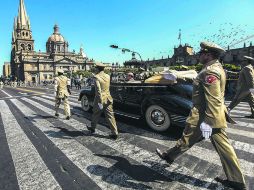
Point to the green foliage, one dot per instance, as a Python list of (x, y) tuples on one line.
[(231, 67)]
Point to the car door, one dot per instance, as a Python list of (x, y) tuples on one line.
[(116, 91), (132, 97)]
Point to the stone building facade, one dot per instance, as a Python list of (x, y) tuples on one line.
[(6, 69), (184, 55), (29, 65)]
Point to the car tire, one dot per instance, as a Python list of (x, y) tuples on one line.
[(157, 118), (85, 103)]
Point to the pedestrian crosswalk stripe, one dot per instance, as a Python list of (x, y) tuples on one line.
[(52, 98), (240, 132), (239, 112), (142, 156), (31, 171), (240, 108), (244, 124), (6, 93), (241, 103), (80, 155)]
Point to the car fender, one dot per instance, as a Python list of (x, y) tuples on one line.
[(89, 92), (171, 103)]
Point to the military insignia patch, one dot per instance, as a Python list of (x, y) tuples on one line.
[(210, 79)]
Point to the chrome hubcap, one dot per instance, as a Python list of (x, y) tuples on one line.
[(157, 117)]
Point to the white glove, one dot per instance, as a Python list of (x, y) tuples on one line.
[(206, 130), (100, 106)]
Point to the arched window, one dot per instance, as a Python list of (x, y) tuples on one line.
[(29, 47), (23, 46), (23, 33), (26, 34)]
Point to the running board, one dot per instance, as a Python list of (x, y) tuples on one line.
[(133, 116)]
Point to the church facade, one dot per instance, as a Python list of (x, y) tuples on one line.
[(31, 66)]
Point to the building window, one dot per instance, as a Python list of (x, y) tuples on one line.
[(45, 67), (23, 46), (29, 47), (45, 76)]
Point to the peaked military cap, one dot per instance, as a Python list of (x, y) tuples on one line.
[(248, 58), (100, 65), (60, 71), (210, 47)]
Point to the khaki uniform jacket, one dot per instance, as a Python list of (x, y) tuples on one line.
[(102, 93), (208, 97), (245, 82), (61, 83)]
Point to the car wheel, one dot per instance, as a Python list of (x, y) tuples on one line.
[(157, 118), (85, 103)]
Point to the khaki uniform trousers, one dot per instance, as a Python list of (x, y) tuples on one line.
[(219, 139), (109, 115), (58, 101), (249, 98)]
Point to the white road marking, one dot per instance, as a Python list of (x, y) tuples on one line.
[(6, 93), (31, 171), (240, 132)]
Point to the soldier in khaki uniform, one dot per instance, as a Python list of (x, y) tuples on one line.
[(103, 102), (244, 84), (207, 118), (1, 84), (62, 91)]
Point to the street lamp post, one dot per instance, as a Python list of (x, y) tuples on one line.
[(126, 50)]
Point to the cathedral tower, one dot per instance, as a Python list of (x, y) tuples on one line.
[(22, 40)]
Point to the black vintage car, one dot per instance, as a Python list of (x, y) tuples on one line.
[(160, 105)]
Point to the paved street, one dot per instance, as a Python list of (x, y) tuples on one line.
[(39, 151)]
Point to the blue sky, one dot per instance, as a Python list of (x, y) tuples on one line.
[(147, 26)]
